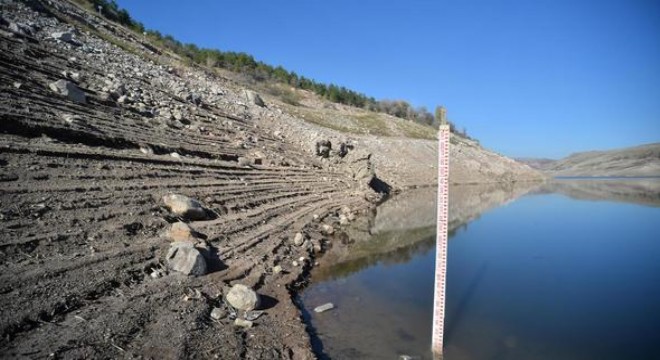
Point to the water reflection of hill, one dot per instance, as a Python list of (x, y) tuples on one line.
[(404, 226), (643, 191)]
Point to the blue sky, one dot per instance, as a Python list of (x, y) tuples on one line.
[(541, 78)]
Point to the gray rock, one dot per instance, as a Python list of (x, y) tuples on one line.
[(65, 36), (324, 307), (185, 258), (218, 313), (185, 207), (323, 148), (298, 239), (146, 149), (70, 90), (194, 98), (242, 297), (254, 98), (177, 115), (328, 229), (243, 323)]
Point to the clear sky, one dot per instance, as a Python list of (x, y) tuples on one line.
[(541, 78)]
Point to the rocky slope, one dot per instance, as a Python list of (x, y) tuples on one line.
[(641, 160), (99, 127)]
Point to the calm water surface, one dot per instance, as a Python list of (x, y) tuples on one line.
[(568, 271)]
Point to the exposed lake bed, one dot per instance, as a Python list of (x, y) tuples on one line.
[(569, 269)]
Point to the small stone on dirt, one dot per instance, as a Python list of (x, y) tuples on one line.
[(66, 36), (70, 90), (185, 207), (218, 313), (324, 307), (328, 229), (146, 149), (186, 259), (242, 297), (298, 239), (243, 323), (277, 269)]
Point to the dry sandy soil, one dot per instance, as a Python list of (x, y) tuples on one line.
[(84, 225)]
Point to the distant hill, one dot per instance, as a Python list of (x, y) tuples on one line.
[(535, 163), (641, 160)]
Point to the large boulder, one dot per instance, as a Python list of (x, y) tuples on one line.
[(254, 98), (185, 207), (242, 297), (70, 90), (185, 258), (360, 166)]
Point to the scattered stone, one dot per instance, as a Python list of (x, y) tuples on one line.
[(17, 85), (185, 258), (254, 98), (324, 307), (70, 90), (177, 115), (123, 99), (277, 269), (176, 155), (253, 315), (185, 207), (242, 297), (343, 220), (343, 150), (409, 357), (146, 149), (62, 36), (298, 239), (328, 229), (70, 118), (243, 323), (194, 98), (323, 148), (218, 313), (65, 36), (294, 263)]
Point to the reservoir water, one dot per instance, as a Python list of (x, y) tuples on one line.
[(565, 270)]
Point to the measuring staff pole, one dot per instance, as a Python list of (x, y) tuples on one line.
[(441, 236)]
